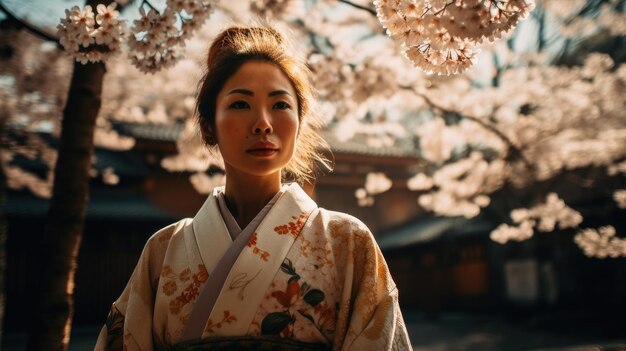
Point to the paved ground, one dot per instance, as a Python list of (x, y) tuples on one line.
[(573, 331), (456, 332)]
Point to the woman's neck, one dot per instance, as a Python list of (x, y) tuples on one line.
[(247, 195)]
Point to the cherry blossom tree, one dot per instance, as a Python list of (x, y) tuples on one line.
[(24, 61), (59, 248), (527, 114), (477, 137), (539, 122), (90, 38), (536, 121)]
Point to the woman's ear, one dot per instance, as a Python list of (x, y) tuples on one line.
[(208, 136)]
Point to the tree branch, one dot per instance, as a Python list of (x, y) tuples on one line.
[(512, 151), (36, 31), (360, 7), (146, 2)]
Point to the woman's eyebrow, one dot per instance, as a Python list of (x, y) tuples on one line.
[(241, 91), (251, 93), (278, 92)]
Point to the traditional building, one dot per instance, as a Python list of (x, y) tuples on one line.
[(438, 263)]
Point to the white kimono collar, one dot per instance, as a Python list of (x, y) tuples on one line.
[(259, 260)]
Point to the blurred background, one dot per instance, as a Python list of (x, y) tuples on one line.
[(498, 195)]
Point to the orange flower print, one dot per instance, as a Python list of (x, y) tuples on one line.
[(185, 275), (256, 250), (320, 255), (252, 241), (292, 227), (282, 229), (264, 254), (290, 295), (191, 291), (202, 275), (227, 319), (176, 305), (170, 288), (166, 271)]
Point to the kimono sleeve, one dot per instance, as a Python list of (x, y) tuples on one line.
[(369, 316), (129, 322), (386, 330)]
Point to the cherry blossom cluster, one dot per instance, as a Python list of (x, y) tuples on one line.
[(156, 39), (560, 133), (504, 232), (349, 92), (90, 37), (620, 198), (601, 242), (441, 36), (275, 8), (109, 177), (545, 216), (204, 184), (617, 168), (107, 137), (375, 183), (33, 148), (337, 81), (608, 19), (459, 188), (18, 179), (193, 154), (330, 73)]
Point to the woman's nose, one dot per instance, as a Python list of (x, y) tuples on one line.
[(262, 125), (267, 130)]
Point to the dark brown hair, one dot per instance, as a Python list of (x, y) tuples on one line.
[(239, 44)]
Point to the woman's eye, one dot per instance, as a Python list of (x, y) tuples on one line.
[(238, 105), (281, 105)]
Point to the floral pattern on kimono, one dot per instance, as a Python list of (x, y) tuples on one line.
[(346, 265), (315, 278), (300, 302)]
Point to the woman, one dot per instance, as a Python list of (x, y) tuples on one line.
[(297, 277)]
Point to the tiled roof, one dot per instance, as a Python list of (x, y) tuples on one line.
[(358, 145), (117, 203), (426, 230), (155, 132), (125, 163)]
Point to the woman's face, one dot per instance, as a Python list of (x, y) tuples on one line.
[(256, 120)]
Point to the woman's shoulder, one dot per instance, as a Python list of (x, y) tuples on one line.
[(343, 224), (164, 235), (337, 217), (159, 244)]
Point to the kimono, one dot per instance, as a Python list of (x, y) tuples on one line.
[(306, 279)]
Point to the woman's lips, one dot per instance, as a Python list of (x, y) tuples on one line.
[(262, 152), (263, 148)]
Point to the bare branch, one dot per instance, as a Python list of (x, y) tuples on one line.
[(33, 29), (512, 151), (360, 7), (146, 2)]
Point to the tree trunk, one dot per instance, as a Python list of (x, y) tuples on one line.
[(58, 251)]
